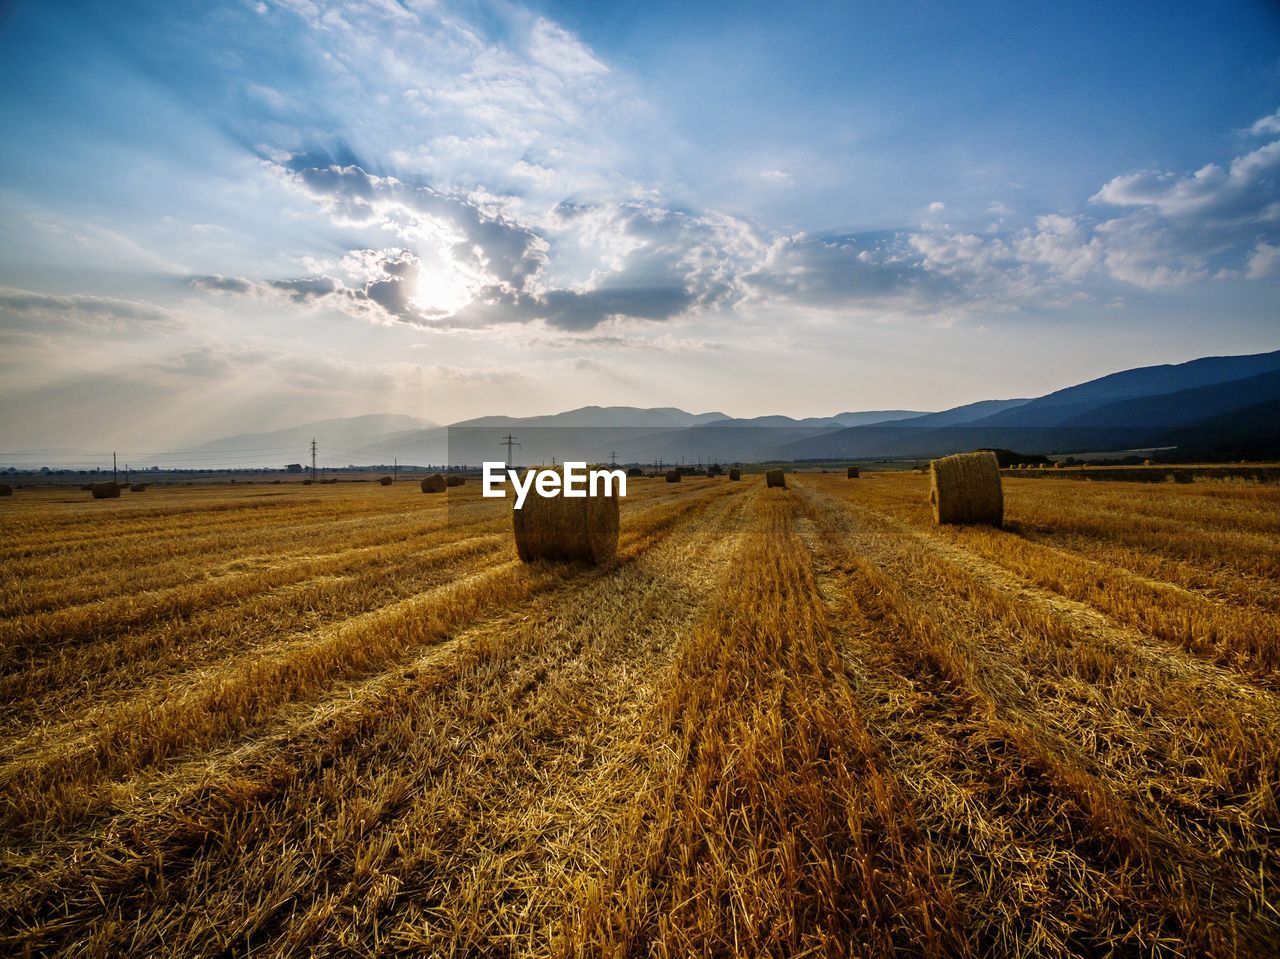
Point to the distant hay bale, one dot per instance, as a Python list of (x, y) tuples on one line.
[(305, 482), (138, 488), (735, 474), (106, 491), (6, 489), (673, 476), (851, 473), (1057, 466), (965, 488), (385, 481), (87, 487), (775, 479), (634, 472), (563, 529), (453, 479), (435, 483), (1146, 462)]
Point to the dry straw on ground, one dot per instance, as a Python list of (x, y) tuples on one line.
[(561, 528), (965, 488), (775, 479), (851, 473), (434, 483), (455, 480), (673, 476), (735, 474), (106, 491)]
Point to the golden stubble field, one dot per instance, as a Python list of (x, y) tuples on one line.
[(325, 721)]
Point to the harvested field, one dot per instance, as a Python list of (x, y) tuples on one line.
[(345, 720)]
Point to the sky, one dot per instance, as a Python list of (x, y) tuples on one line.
[(220, 218)]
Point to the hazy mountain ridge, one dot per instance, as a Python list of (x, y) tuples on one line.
[(1213, 400)]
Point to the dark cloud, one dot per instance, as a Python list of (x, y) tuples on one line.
[(829, 273), (307, 288), (221, 284)]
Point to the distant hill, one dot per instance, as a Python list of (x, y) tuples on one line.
[(602, 416), (961, 414), (337, 439), (1147, 407), (876, 416), (1071, 404), (598, 434)]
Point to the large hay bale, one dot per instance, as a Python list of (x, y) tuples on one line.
[(6, 489), (455, 480), (635, 472), (775, 479), (138, 488), (735, 474), (559, 528), (965, 488), (435, 483), (305, 482), (673, 476), (851, 472), (385, 481), (106, 491)]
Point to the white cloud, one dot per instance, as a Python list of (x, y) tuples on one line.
[(1264, 260), (1266, 125), (33, 312)]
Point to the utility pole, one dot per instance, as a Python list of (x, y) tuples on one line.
[(613, 457), (126, 474), (113, 467), (509, 441), (395, 470), (313, 459)]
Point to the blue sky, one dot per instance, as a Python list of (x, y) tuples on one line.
[(244, 215)]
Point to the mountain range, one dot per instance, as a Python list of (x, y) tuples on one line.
[(1220, 407)]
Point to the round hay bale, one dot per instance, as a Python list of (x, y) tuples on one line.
[(1146, 462), (455, 480), (106, 491), (87, 487), (385, 481), (965, 488), (634, 472), (775, 479), (673, 476), (851, 473), (435, 483), (305, 482), (1057, 466), (735, 474), (556, 528), (138, 488), (6, 489)]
